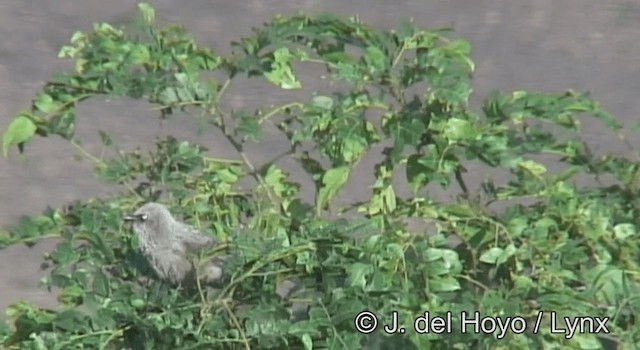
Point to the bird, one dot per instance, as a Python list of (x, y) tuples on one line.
[(168, 245)]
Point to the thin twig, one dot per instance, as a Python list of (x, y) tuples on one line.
[(100, 163), (235, 321)]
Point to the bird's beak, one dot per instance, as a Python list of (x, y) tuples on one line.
[(129, 218)]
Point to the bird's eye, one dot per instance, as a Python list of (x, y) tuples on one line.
[(143, 217)]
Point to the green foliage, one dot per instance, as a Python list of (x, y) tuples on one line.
[(20, 130), (572, 250)]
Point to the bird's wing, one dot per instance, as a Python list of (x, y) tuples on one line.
[(192, 239)]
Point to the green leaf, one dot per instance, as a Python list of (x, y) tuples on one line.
[(227, 176), (45, 103), (71, 294), (332, 182), (459, 211), (375, 58), (624, 231), (492, 256), (608, 281), (444, 284), (358, 274), (459, 130), (147, 12), (101, 283), (417, 172), (281, 73), (249, 126), (21, 129), (105, 138), (587, 341), (137, 303), (532, 167), (71, 320), (307, 341), (323, 102), (389, 197)]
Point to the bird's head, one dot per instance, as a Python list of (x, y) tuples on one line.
[(150, 220)]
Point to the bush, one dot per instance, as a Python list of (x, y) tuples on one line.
[(569, 250)]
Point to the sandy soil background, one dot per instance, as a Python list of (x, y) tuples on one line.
[(549, 45)]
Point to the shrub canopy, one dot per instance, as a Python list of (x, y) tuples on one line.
[(569, 250)]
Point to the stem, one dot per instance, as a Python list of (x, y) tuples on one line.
[(113, 335), (237, 145), (474, 282), (86, 154), (222, 91), (461, 182), (179, 104), (222, 161), (252, 169), (235, 321), (319, 61), (335, 331), (280, 109), (398, 56), (100, 164)]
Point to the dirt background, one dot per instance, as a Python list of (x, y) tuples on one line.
[(548, 45)]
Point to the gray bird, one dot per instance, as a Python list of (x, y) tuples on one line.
[(168, 244)]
